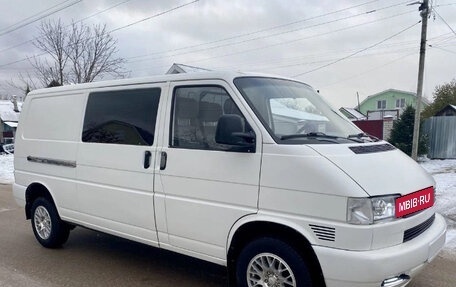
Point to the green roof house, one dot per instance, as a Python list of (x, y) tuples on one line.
[(390, 102)]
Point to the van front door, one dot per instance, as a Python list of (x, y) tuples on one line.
[(203, 187), (115, 162)]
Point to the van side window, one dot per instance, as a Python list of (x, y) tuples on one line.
[(196, 113), (121, 117)]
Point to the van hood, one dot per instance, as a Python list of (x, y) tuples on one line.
[(378, 168)]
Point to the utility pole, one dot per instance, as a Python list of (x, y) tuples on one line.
[(424, 12)]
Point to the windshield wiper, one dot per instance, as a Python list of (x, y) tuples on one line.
[(364, 135), (309, 135)]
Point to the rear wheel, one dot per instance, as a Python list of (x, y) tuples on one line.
[(270, 262), (49, 229)]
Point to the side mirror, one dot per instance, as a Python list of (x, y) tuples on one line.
[(230, 131)]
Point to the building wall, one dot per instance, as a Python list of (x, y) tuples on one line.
[(6, 133), (370, 104), (446, 112), (441, 132), (387, 127), (378, 128), (374, 128), (1, 131)]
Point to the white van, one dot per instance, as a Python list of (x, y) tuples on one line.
[(253, 172)]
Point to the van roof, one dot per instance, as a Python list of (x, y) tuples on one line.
[(228, 76)]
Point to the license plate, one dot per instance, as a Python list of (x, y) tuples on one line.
[(414, 202)]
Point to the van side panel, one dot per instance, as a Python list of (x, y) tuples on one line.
[(55, 117), (47, 137), (116, 159), (204, 189), (115, 191)]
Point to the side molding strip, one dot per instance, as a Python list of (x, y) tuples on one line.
[(59, 162)]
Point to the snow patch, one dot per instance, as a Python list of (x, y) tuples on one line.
[(6, 169), (450, 244), (444, 173)]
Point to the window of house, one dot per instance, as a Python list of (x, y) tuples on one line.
[(121, 117), (400, 103), (196, 112), (381, 105)]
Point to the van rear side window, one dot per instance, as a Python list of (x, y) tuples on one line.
[(121, 117)]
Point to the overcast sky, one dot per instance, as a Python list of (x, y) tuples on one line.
[(339, 47)]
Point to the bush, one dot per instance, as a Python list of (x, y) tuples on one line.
[(443, 95), (402, 133)]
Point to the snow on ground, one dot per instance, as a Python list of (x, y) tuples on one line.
[(443, 171), (6, 168)]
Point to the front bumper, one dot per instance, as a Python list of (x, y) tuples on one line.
[(371, 268)]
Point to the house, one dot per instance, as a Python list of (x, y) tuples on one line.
[(9, 117), (181, 68), (390, 102), (447, 111)]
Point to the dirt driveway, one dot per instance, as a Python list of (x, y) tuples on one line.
[(94, 259)]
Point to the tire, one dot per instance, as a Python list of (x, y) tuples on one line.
[(49, 229), (271, 262)]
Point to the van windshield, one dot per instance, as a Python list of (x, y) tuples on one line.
[(294, 113)]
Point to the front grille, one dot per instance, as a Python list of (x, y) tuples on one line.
[(413, 232), (324, 232)]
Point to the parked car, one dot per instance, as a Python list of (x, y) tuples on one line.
[(256, 173), (8, 148)]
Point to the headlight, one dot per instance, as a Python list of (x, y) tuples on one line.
[(370, 210)]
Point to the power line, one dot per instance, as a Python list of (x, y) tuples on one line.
[(443, 5), (358, 56), (271, 66), (370, 70), (255, 32), (403, 45), (273, 28), (360, 51), (102, 11), (276, 64), (300, 39), (435, 11), (243, 35), (446, 50), (38, 16), (277, 44), (78, 21), (154, 16), (304, 38), (128, 25)]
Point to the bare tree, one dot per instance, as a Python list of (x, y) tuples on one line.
[(24, 83), (76, 53), (92, 54), (54, 42), (47, 71)]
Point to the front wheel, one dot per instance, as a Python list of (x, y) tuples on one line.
[(270, 262), (49, 229)]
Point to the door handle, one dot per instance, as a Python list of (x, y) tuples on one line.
[(163, 159), (147, 156)]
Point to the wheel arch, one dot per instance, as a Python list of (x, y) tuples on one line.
[(253, 228), (34, 191)]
